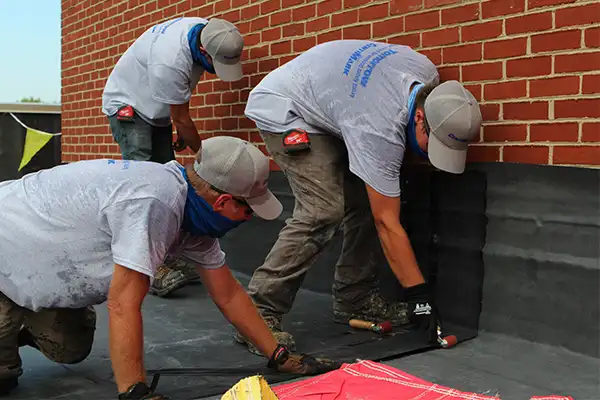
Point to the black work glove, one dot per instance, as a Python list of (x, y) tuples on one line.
[(304, 364), (179, 144), (141, 391), (422, 312)]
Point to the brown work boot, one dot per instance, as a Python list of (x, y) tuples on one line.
[(188, 268), (166, 281), (374, 308), (274, 324)]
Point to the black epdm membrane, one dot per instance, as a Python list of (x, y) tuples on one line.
[(516, 245)]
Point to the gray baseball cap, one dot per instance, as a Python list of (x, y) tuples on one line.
[(454, 118), (224, 43), (239, 168)]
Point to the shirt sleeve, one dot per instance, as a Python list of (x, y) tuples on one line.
[(375, 159), (142, 232), (204, 251), (168, 85)]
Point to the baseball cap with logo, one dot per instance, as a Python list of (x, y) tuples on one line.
[(224, 43), (237, 167), (454, 118)]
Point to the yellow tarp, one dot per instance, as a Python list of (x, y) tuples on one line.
[(250, 388), (34, 141)]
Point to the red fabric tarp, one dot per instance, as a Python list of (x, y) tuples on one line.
[(367, 380)]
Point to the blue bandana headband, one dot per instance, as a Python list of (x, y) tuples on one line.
[(197, 55), (411, 126)]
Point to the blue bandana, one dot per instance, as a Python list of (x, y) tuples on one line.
[(200, 219), (412, 134), (197, 55)]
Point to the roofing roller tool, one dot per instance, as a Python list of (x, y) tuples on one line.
[(382, 327)]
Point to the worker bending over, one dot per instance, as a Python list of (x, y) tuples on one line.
[(93, 231), (363, 104)]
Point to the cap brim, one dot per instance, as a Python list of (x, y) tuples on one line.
[(445, 158), (228, 72), (266, 206)]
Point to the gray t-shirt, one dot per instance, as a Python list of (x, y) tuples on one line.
[(156, 71), (63, 229), (357, 90)]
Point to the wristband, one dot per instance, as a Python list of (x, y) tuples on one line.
[(279, 356)]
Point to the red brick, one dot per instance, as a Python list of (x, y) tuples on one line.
[(438, 3), (425, 20), (554, 132), (591, 84), (475, 91), (505, 48), (543, 3), (304, 44), (356, 32), (355, 3), (405, 6), (581, 155), (345, 18), (388, 27), (269, 6), (496, 8), (412, 40), (490, 112), (483, 154), (434, 55), (268, 35), (590, 132), (505, 133), (281, 17), (281, 48), (259, 52), (293, 30), (577, 62), (250, 12), (526, 154), (328, 7), (505, 90), (525, 110), (469, 12), (592, 37), (329, 36), (577, 108), (290, 3), (304, 13), (481, 31), (373, 12), (586, 14), (463, 53), (259, 23), (482, 71), (319, 24), (561, 40), (534, 66), (449, 73), (562, 85), (440, 37)]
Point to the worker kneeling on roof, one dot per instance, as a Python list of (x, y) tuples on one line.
[(93, 231), (338, 120)]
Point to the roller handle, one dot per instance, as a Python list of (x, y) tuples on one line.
[(360, 324)]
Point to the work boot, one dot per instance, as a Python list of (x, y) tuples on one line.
[(166, 281), (274, 324), (374, 309), (188, 268)]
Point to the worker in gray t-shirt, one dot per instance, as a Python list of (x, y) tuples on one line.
[(96, 231), (338, 120), (152, 84)]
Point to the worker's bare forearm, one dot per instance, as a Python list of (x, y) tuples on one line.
[(399, 252), (244, 316), (187, 130), (126, 345)]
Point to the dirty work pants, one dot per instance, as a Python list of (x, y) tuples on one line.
[(62, 335), (327, 196), (138, 140)]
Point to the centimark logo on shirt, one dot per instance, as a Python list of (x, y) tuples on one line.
[(124, 163), (365, 68)]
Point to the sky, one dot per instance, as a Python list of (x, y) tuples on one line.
[(30, 50)]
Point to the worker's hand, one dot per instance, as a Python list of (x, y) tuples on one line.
[(179, 144), (141, 391), (422, 311), (303, 364)]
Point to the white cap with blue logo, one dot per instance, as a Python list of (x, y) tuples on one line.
[(454, 118)]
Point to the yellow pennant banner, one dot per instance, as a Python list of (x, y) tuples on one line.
[(34, 141)]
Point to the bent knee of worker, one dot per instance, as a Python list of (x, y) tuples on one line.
[(71, 350)]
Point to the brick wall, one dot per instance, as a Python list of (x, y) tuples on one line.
[(533, 64)]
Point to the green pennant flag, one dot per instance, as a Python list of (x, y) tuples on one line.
[(34, 141)]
